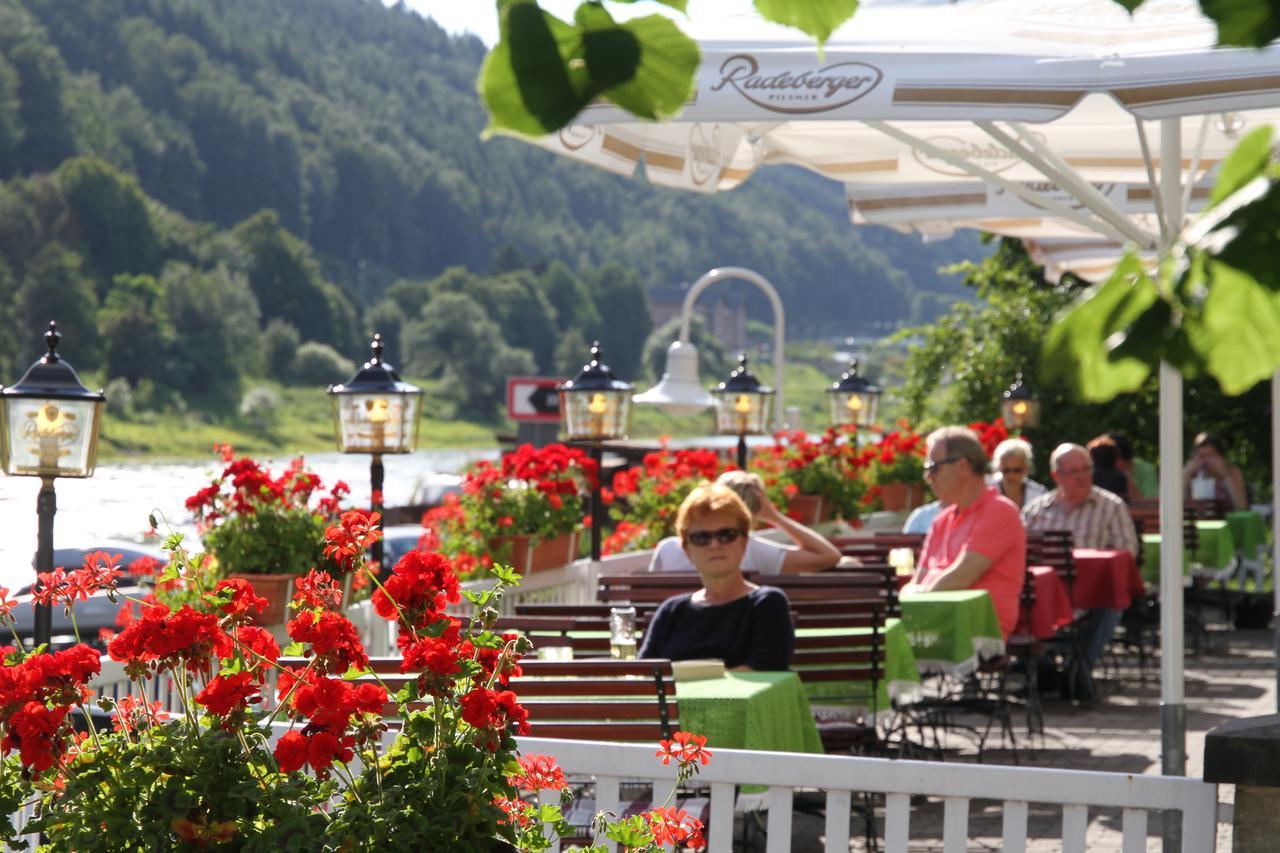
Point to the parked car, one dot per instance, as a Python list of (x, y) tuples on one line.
[(96, 612)]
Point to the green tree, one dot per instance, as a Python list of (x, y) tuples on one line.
[(623, 306), (573, 303), (46, 139), (133, 326), (11, 129), (55, 287), (455, 340), (217, 318), (112, 216)]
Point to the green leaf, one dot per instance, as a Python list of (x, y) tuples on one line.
[(1247, 23), (1248, 160), (525, 79), (1238, 332), (292, 650), (1129, 5), (548, 813), (817, 18), (662, 81), (682, 5), (1081, 345), (353, 672), (506, 575)]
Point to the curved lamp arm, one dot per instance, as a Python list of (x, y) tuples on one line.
[(779, 319)]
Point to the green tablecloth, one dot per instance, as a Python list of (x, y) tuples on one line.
[(1215, 550), (901, 675), (1248, 531), (749, 710), (950, 631)]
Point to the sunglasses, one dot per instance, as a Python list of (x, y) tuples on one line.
[(931, 467), (702, 538)]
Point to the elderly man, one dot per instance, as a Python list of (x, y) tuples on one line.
[(977, 541), (1096, 518)]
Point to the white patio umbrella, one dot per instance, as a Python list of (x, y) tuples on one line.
[(1005, 92)]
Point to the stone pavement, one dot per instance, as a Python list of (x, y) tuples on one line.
[(1233, 678)]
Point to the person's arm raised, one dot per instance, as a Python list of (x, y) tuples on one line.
[(814, 552)]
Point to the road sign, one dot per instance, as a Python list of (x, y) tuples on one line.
[(533, 398)]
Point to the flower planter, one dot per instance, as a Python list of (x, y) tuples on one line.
[(528, 554), (809, 509), (897, 497), (277, 590)]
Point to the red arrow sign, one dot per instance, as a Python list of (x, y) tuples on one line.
[(533, 398)]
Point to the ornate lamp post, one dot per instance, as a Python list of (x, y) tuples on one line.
[(595, 406), (1019, 407), (742, 407), (376, 413), (49, 426), (852, 400)]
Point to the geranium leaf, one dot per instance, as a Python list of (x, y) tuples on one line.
[(662, 79), (292, 650), (353, 672), (1247, 23), (1129, 5), (525, 80), (817, 18), (1082, 345), (1246, 161), (1238, 332), (682, 5)]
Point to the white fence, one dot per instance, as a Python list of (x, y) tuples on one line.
[(840, 777)]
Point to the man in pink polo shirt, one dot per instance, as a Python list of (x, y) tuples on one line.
[(978, 541)]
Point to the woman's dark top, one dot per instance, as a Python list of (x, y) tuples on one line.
[(753, 631), (1113, 481)]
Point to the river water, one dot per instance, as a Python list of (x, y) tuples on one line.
[(114, 503)]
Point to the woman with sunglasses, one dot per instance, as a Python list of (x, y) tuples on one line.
[(1013, 464), (810, 551), (729, 618)]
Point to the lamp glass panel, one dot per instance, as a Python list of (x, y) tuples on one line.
[(50, 438), (595, 415), (1020, 413), (377, 423), (741, 412), (853, 408)]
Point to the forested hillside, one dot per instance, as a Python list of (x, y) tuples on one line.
[(206, 192)]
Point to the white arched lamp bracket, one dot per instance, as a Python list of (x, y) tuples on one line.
[(779, 319)]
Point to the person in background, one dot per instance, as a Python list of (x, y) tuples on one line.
[(1144, 481), (729, 618), (977, 541), (1209, 461), (812, 551), (1106, 472), (921, 518), (1013, 472), (1096, 518)]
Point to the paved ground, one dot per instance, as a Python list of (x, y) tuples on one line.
[(1233, 678)]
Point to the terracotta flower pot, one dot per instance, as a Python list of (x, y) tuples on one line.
[(529, 554), (277, 590), (807, 509), (897, 497)]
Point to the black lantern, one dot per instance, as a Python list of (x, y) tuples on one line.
[(376, 413), (595, 406), (1019, 407), (742, 407), (49, 425), (852, 400)]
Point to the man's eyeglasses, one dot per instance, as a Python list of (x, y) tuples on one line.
[(930, 468), (702, 538), (1075, 472), (1013, 470)]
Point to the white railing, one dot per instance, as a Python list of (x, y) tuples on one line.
[(840, 777), (843, 776)]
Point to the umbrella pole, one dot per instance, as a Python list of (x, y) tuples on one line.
[(1275, 521), (1173, 715)]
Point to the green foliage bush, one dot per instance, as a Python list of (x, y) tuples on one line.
[(320, 365)]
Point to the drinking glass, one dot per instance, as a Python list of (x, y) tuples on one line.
[(622, 633)]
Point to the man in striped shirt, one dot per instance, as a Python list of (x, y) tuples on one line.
[(1096, 519)]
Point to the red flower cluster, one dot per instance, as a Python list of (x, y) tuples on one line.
[(35, 695), (133, 714), (346, 541), (243, 603), (900, 456), (318, 590), (244, 486), (328, 705), (99, 572), (646, 497), (335, 643), (686, 748), (664, 469), (492, 711), (624, 534), (168, 638), (538, 773), (420, 587), (990, 434), (675, 827), (225, 695)]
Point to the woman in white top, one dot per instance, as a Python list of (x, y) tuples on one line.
[(1013, 464), (810, 553)]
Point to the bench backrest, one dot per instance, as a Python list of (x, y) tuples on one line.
[(1053, 548)]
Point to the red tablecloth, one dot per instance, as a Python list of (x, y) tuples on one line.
[(1105, 578), (1052, 609)]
